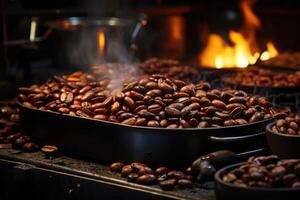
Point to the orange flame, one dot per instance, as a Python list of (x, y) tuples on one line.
[(244, 50), (101, 42)]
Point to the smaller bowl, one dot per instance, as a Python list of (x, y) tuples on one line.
[(228, 191), (283, 145)]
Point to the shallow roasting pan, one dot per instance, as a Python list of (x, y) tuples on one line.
[(110, 142)]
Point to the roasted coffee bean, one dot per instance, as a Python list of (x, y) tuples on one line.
[(129, 102), (237, 99), (256, 117), (116, 167), (137, 166), (168, 184), (161, 170), (141, 122), (172, 112), (153, 123), (132, 177), (155, 108), (236, 113), (30, 147), (219, 104), (175, 174), (146, 114), (185, 183), (203, 124), (13, 137), (145, 170), (49, 150), (19, 142), (129, 121), (147, 179), (66, 97), (126, 170)]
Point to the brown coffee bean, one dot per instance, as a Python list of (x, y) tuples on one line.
[(147, 179), (185, 183), (141, 122), (230, 122), (145, 170), (236, 113), (175, 174), (19, 142), (50, 150), (132, 177), (129, 121), (116, 167), (173, 112), (151, 85), (126, 170), (146, 114), (161, 170), (153, 123), (30, 147), (168, 184), (232, 106), (256, 117), (219, 104), (136, 96), (155, 108), (190, 89), (165, 87)]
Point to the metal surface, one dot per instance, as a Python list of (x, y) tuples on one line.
[(283, 145), (31, 175), (227, 191), (110, 142)]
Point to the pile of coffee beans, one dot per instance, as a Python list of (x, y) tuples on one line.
[(254, 76), (142, 174), (289, 125), (9, 118), (285, 59), (171, 68), (153, 101), (266, 171)]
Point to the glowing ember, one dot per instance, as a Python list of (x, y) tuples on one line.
[(244, 49)]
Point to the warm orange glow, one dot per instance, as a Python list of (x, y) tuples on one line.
[(243, 50), (101, 42)]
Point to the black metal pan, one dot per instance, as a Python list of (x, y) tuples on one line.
[(227, 191), (283, 145), (107, 141)]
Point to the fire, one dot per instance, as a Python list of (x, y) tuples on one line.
[(243, 50), (101, 42)]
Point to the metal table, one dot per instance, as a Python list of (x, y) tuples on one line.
[(32, 176)]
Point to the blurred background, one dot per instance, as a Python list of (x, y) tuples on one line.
[(43, 38)]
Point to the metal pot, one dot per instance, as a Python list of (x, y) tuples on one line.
[(82, 41)]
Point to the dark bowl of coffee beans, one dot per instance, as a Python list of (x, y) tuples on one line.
[(283, 137), (263, 177)]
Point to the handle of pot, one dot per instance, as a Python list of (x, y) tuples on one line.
[(235, 138), (33, 38), (142, 21)]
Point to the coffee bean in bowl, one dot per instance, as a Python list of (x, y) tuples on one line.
[(263, 177), (283, 137)]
